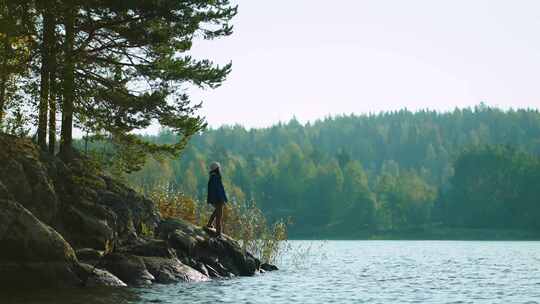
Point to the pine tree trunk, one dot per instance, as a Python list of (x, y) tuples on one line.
[(66, 149), (3, 81), (44, 89), (4, 78), (53, 94)]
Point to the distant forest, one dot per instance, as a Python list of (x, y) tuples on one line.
[(354, 176)]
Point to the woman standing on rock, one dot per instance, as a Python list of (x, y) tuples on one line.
[(216, 197)]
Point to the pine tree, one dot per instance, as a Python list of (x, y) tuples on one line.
[(17, 25), (47, 42), (130, 71)]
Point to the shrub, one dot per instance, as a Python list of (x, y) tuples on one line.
[(243, 221), (174, 204)]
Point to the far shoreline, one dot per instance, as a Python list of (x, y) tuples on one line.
[(439, 234)]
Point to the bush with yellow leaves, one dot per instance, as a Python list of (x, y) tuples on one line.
[(243, 221), (174, 204)]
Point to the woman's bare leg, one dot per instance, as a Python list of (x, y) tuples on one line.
[(219, 217), (212, 218)]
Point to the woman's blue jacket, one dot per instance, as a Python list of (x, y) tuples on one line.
[(216, 192)]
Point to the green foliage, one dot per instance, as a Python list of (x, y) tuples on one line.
[(17, 42), (113, 67), (86, 171), (141, 74), (351, 176), (494, 187), (146, 231), (405, 199), (16, 123)]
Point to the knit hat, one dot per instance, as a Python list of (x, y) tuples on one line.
[(214, 166)]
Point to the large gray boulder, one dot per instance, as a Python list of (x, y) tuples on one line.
[(221, 256), (136, 215), (33, 254), (25, 177), (171, 270), (131, 269), (91, 276)]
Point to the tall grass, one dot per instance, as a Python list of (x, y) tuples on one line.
[(243, 221)]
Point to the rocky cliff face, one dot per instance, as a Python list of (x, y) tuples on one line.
[(70, 225)]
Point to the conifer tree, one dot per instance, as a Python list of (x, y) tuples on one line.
[(124, 67), (17, 25)]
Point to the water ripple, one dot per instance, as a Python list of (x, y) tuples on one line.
[(355, 272)]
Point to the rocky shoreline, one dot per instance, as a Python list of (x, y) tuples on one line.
[(70, 226)]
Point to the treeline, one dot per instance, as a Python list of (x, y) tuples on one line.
[(352, 176), (496, 187), (107, 67)]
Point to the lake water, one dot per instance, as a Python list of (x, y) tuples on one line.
[(355, 272)]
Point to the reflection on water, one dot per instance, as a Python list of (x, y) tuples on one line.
[(354, 272)]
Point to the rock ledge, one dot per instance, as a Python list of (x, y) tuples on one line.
[(70, 225)]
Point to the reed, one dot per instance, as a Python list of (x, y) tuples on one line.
[(243, 221)]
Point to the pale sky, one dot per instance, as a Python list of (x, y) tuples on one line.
[(312, 58)]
